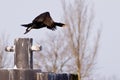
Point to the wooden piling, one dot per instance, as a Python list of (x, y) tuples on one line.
[(23, 53)]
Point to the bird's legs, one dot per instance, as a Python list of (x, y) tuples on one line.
[(28, 29)]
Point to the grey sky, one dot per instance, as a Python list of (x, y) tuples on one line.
[(13, 13), (109, 13)]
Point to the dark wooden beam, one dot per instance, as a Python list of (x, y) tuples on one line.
[(29, 74)]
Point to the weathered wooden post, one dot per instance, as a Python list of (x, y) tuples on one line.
[(23, 60), (23, 48), (23, 53)]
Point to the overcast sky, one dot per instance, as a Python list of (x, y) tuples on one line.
[(13, 13), (109, 57)]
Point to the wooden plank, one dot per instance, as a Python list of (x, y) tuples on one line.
[(29, 74), (23, 53), (73, 77), (56, 76), (4, 74), (62, 76), (18, 74), (22, 74), (35, 71)]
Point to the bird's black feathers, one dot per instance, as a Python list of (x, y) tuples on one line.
[(27, 25), (43, 20)]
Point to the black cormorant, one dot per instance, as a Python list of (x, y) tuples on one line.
[(43, 20)]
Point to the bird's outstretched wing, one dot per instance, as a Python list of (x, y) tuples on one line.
[(44, 18), (41, 17), (48, 20)]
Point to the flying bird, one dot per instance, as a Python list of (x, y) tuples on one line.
[(41, 21)]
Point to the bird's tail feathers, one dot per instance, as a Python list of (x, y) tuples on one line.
[(27, 25), (59, 24)]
